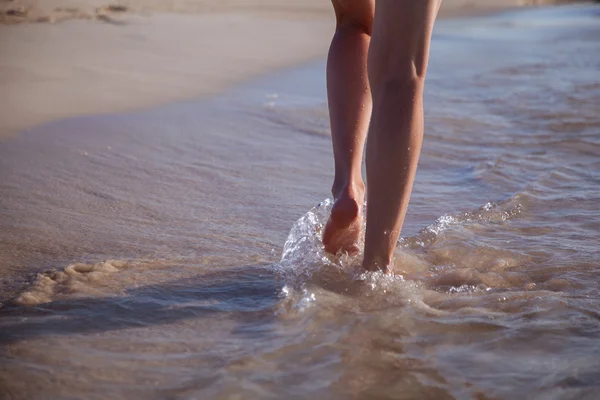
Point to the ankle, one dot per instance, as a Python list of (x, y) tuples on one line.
[(375, 264), (354, 190)]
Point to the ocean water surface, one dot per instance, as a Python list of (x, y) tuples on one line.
[(175, 253)]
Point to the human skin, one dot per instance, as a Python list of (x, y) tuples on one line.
[(350, 106), (377, 61)]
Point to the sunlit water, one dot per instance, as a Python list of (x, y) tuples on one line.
[(148, 256)]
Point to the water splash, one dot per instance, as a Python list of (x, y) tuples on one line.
[(306, 234), (305, 263), (489, 213)]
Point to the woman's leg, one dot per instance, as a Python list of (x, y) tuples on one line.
[(350, 110), (397, 66)]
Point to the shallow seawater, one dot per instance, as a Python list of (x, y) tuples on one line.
[(175, 253)]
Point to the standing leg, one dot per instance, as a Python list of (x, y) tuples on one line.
[(397, 66), (350, 110)]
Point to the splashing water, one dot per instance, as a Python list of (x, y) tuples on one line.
[(305, 264)]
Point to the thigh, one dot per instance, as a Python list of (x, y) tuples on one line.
[(356, 12), (402, 33)]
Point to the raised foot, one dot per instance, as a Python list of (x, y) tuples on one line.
[(344, 227)]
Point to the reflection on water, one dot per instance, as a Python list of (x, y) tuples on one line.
[(496, 288)]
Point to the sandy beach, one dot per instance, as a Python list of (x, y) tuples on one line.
[(62, 58), (165, 175)]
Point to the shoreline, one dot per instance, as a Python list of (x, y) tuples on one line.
[(103, 62)]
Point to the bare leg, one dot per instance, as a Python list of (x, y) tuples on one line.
[(350, 110), (397, 66)]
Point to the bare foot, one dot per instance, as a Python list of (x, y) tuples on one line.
[(345, 223)]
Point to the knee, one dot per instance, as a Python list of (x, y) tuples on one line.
[(395, 68), (354, 15), (401, 80)]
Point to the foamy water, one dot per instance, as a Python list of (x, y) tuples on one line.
[(150, 255)]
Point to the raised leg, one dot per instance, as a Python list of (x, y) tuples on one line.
[(350, 110), (397, 66)]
